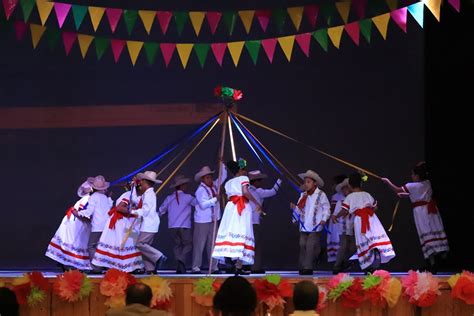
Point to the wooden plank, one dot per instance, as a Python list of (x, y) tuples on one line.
[(402, 308)]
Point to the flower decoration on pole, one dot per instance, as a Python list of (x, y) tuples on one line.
[(462, 286), (31, 288), (162, 293), (347, 288), (272, 291), (421, 288), (72, 286), (229, 95), (381, 289), (113, 286), (204, 291)]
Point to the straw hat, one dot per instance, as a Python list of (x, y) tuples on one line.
[(203, 172), (313, 175), (100, 184), (179, 180), (150, 176), (257, 175), (85, 188), (344, 183)]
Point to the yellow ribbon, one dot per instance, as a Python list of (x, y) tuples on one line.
[(394, 214)]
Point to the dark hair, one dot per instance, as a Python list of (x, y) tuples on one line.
[(339, 178), (138, 294), (305, 296), (236, 297), (8, 303), (421, 170), (150, 183), (355, 180), (233, 166)]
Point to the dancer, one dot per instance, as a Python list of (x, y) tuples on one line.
[(335, 226)]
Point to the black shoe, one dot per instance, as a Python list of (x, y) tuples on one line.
[(241, 272), (260, 271), (306, 272), (160, 262), (138, 271), (181, 268), (94, 272), (217, 272)]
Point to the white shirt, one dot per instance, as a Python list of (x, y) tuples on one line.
[(179, 213), (419, 191), (261, 194), (316, 209), (97, 210), (206, 203), (358, 200), (150, 218)]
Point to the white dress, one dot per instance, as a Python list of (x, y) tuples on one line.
[(335, 229), (429, 225), (109, 253), (69, 244), (235, 235), (369, 232)]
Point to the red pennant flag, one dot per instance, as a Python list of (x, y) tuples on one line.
[(113, 15), (304, 40), (400, 18), (263, 17), (20, 29), (68, 39), (167, 50), (61, 9), (219, 50), (213, 18), (117, 48), (311, 12), (353, 30), (359, 7), (269, 45), (164, 18), (9, 6), (456, 4)]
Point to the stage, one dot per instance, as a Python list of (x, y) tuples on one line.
[(184, 305)]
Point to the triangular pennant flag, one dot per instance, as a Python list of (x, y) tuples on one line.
[(150, 51), (113, 15), (434, 6), (53, 35), (9, 6), (400, 18), (180, 18), (167, 50), (117, 48), (78, 12), (416, 10), (247, 18), (263, 17), (96, 14), (366, 28), (101, 45), (304, 41), (229, 20), (335, 34), (164, 18), (359, 7), (130, 18), (201, 51), (353, 30), (343, 8), (44, 9), (328, 11), (69, 38), (36, 33), (286, 44), (61, 9), (392, 4), (235, 49), (311, 12), (253, 47), (322, 38), (184, 51), (456, 4), (27, 6), (219, 50), (148, 17), (269, 45), (381, 22), (296, 15), (84, 43), (134, 48), (279, 17), (197, 17), (20, 29), (213, 19)]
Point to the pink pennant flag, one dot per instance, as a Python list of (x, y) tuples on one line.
[(400, 18), (359, 7), (164, 18), (167, 50), (113, 15), (117, 48), (354, 31), (263, 17), (9, 6), (269, 45), (219, 50), (456, 4), (304, 41), (20, 29), (68, 39), (311, 12), (213, 18), (61, 9)]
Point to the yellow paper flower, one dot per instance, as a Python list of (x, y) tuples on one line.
[(393, 292), (160, 288), (21, 280), (453, 280)]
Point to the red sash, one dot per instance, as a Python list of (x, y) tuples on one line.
[(69, 212), (116, 215), (239, 201), (364, 214), (432, 206)]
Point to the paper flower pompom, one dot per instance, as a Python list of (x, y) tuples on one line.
[(272, 291), (31, 288), (72, 286), (421, 288), (162, 293), (463, 287), (204, 291), (114, 285), (323, 299)]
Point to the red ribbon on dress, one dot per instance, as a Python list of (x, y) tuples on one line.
[(69, 212), (432, 206), (240, 201), (364, 214), (116, 215)]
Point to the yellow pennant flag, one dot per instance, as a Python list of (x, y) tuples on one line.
[(96, 14), (247, 17), (335, 34), (84, 43), (381, 22), (196, 17), (286, 43), (36, 33), (44, 9), (134, 48), (184, 51), (235, 49), (296, 14), (343, 8), (148, 17), (392, 4), (434, 6)]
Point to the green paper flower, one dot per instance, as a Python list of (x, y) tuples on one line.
[(273, 278), (371, 281), (36, 296), (337, 291), (204, 286)]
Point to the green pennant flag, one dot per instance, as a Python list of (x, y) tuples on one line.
[(229, 20), (101, 45), (201, 52), (365, 28), (130, 17), (279, 17), (150, 51), (78, 12), (328, 11), (321, 36), (52, 35), (253, 47), (27, 6), (180, 17), (377, 7)]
